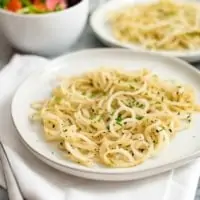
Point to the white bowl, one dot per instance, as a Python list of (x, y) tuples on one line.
[(45, 34)]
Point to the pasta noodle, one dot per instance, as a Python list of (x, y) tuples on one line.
[(115, 117), (163, 25)]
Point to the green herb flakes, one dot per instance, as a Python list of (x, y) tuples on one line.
[(119, 120), (139, 117)]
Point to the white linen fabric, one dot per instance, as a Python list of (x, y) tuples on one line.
[(40, 182)]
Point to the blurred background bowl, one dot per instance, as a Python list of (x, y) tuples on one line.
[(45, 34)]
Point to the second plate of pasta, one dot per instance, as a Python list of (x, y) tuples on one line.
[(168, 27), (120, 116)]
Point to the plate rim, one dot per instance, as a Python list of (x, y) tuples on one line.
[(115, 177), (187, 55), (74, 166)]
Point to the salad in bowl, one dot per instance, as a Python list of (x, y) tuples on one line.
[(34, 6), (36, 26)]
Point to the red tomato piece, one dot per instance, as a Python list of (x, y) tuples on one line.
[(37, 1), (39, 5), (51, 4), (14, 5)]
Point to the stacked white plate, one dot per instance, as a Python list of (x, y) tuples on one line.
[(102, 29), (182, 149)]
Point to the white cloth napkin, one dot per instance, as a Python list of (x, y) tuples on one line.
[(40, 182)]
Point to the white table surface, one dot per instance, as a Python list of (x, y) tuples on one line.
[(86, 41)]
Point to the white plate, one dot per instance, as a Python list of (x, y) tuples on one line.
[(183, 148), (103, 31)]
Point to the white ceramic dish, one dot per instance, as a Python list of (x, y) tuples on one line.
[(46, 34), (103, 31), (183, 148)]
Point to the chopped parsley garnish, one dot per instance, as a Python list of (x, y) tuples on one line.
[(141, 106), (189, 116), (132, 87), (155, 76), (139, 117), (92, 117), (135, 103), (58, 99), (160, 129), (93, 94), (119, 120)]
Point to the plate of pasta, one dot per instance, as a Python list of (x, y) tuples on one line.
[(111, 114), (168, 27)]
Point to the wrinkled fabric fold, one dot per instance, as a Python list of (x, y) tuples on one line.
[(41, 182)]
